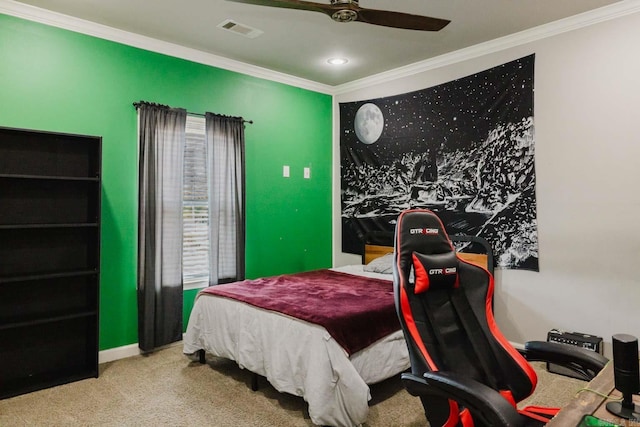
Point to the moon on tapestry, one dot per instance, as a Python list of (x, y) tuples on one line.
[(463, 149), (368, 123)]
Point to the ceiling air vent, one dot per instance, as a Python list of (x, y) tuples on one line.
[(243, 30)]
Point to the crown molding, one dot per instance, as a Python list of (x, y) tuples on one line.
[(32, 13), (606, 13), (54, 19)]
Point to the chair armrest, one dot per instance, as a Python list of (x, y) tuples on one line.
[(584, 362), (482, 401)]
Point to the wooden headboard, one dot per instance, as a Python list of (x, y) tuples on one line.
[(376, 244), (484, 260), (481, 260), (372, 252)]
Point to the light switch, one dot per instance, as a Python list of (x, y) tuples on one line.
[(307, 173), (285, 171)]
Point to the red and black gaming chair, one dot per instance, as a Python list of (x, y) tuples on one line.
[(463, 369)]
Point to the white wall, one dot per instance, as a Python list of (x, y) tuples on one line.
[(587, 124)]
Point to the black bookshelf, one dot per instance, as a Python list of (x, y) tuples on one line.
[(49, 259)]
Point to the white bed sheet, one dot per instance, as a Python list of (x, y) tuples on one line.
[(295, 356)]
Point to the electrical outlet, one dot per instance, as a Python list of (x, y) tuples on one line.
[(285, 171), (307, 173)]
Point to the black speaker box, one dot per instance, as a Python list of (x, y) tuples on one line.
[(577, 339), (625, 363), (626, 373)]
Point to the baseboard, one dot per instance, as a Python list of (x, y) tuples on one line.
[(125, 351), (118, 353)]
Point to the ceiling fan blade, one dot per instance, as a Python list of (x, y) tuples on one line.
[(401, 20), (349, 10), (291, 4)]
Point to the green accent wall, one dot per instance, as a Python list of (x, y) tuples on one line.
[(57, 80)]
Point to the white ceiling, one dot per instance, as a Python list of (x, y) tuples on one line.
[(298, 43)]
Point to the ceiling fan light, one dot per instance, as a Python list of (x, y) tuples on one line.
[(337, 61)]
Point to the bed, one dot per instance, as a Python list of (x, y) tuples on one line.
[(299, 356)]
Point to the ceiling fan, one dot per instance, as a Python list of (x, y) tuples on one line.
[(350, 10)]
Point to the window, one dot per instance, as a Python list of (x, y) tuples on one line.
[(195, 208)]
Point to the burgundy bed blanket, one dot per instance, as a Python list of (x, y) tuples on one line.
[(357, 311)]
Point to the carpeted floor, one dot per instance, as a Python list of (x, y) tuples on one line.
[(168, 389)]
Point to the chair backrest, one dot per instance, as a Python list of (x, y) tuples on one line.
[(445, 308)]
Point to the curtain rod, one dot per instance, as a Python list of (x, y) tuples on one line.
[(139, 103)]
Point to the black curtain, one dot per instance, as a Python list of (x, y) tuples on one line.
[(161, 144)]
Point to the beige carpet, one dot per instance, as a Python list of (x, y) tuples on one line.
[(166, 388)]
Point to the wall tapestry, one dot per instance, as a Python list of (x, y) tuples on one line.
[(464, 149)]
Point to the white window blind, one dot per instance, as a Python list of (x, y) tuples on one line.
[(195, 211)]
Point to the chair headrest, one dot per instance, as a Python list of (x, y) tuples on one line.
[(420, 230)]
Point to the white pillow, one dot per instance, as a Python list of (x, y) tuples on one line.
[(383, 264)]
